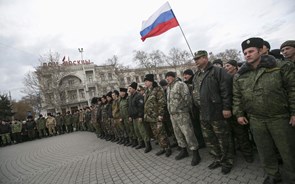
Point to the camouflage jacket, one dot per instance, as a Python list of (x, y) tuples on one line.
[(16, 127), (265, 92), (124, 108), (212, 92), (59, 120), (68, 119), (178, 98), (41, 123), (116, 109), (87, 116), (154, 103), (50, 121), (104, 112)]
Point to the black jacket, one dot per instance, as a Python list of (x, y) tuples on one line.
[(136, 106), (212, 92)]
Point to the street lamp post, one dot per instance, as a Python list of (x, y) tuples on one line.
[(85, 78)]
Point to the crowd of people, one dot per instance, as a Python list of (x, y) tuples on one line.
[(222, 106)]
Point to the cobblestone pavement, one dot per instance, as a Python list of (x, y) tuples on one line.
[(80, 157)]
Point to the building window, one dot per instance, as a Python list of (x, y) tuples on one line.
[(128, 80), (102, 77), (72, 95), (82, 93), (71, 82), (122, 81), (90, 79), (142, 78), (91, 92), (137, 79), (110, 76)]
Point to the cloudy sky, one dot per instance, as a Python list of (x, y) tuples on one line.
[(103, 28)]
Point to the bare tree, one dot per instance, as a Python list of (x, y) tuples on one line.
[(178, 58), (150, 61), (227, 55)]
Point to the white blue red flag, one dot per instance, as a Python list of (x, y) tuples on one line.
[(161, 21)]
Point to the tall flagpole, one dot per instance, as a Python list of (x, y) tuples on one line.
[(183, 34)]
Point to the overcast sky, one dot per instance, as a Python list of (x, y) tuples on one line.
[(104, 28)]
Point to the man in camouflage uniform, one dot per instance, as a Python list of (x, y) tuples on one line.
[(88, 125), (51, 124), (31, 127), (128, 130), (288, 50), (179, 106), (188, 76), (118, 124), (59, 123), (41, 125), (264, 97), (135, 111), (212, 94), (16, 128), (240, 132), (96, 115), (68, 122), (154, 103), (110, 120)]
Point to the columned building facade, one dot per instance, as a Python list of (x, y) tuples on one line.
[(69, 87)]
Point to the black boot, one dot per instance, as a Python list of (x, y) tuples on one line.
[(161, 152), (130, 142), (140, 145), (182, 154), (134, 143), (196, 158), (126, 142), (148, 147), (168, 152)]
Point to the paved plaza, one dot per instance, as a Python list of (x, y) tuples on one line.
[(80, 157)]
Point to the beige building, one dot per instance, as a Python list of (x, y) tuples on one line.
[(71, 86)]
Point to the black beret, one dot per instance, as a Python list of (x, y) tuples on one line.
[(172, 74), (188, 72), (252, 42), (133, 85), (149, 77), (290, 43)]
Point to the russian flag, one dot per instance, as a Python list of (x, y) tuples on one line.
[(161, 21)]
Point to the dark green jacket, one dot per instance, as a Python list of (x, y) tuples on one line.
[(265, 92)]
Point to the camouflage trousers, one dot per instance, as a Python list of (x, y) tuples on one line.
[(42, 132), (119, 127), (269, 133), (241, 133), (127, 127), (51, 129), (218, 138), (160, 134), (183, 130), (97, 128), (140, 130), (6, 138), (131, 134)]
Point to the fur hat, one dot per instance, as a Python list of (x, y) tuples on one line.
[(266, 44), (163, 82), (133, 85), (233, 63), (149, 77), (252, 42), (109, 94), (172, 74), (123, 90), (116, 92), (218, 61), (188, 72)]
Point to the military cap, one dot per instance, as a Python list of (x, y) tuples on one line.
[(172, 74), (252, 42), (149, 77), (218, 61), (188, 72), (123, 90), (290, 43), (133, 85), (199, 54)]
